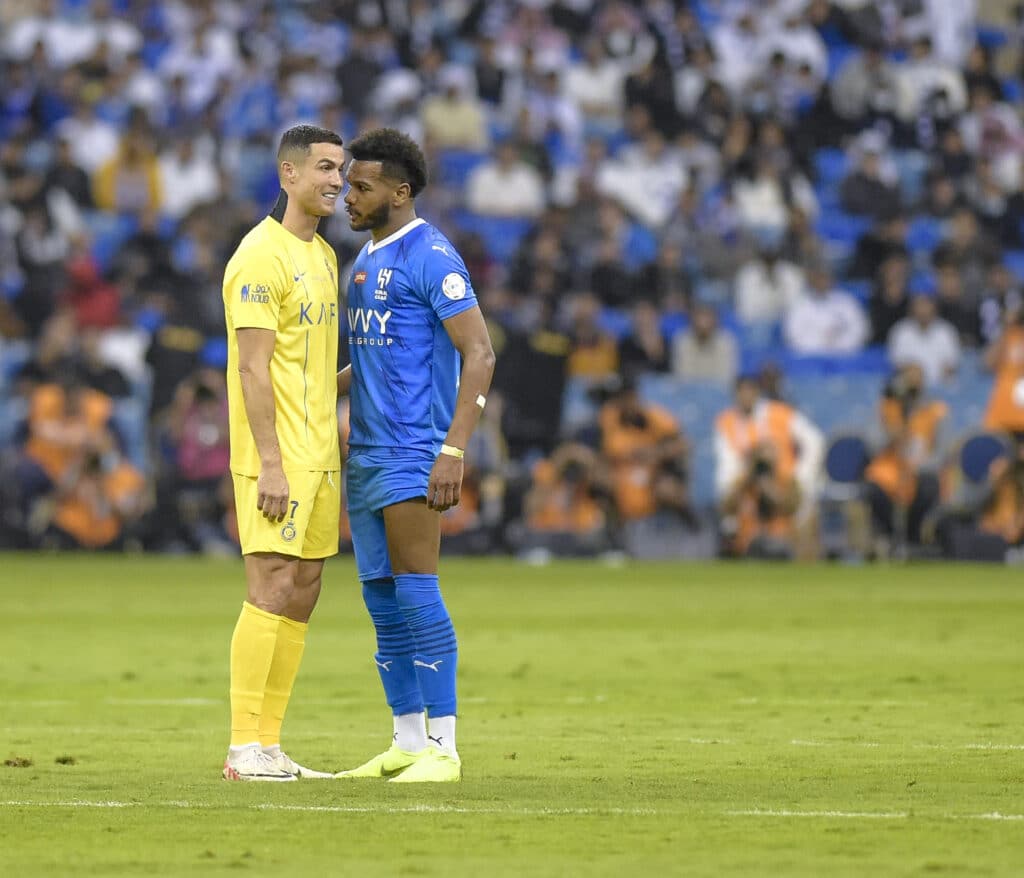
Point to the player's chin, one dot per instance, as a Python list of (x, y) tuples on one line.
[(326, 206), (357, 223)]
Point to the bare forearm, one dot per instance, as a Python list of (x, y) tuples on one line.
[(258, 395), (345, 381), (475, 382)]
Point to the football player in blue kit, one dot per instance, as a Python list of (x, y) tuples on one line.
[(421, 366)]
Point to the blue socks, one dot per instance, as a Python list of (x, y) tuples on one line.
[(417, 651), (395, 648)]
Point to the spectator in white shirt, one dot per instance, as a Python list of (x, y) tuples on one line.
[(506, 186), (766, 287), (925, 79), (188, 177), (825, 321), (705, 351), (595, 85), (93, 141), (646, 179), (925, 339)]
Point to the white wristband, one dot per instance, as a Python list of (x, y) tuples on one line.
[(481, 400), (452, 451)]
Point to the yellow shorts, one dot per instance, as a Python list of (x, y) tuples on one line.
[(310, 529)]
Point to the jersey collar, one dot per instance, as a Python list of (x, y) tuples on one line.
[(394, 236)]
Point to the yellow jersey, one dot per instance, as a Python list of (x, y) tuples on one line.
[(277, 281)]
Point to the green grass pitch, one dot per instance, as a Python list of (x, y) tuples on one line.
[(699, 720)]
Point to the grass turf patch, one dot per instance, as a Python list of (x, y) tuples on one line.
[(655, 719)]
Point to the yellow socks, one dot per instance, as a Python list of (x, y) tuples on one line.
[(291, 641), (252, 655)]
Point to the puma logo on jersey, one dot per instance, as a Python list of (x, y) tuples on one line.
[(385, 665), (442, 247), (432, 665)]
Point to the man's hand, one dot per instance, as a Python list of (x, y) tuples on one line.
[(272, 493), (445, 486)]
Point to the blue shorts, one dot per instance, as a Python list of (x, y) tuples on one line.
[(375, 479)]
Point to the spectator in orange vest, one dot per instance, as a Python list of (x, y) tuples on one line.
[(565, 509), (646, 455), (1005, 357), (95, 501), (767, 464), (903, 474)]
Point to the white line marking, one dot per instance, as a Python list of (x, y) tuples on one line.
[(163, 702), (845, 815), (833, 702), (349, 809), (512, 812)]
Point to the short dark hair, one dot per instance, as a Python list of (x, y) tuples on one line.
[(400, 156), (302, 137)]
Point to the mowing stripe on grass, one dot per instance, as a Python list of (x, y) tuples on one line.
[(783, 813)]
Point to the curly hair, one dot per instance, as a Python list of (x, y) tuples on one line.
[(400, 157)]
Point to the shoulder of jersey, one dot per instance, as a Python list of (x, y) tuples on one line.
[(433, 238), (256, 238)]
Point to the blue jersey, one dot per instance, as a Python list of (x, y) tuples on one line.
[(405, 369)]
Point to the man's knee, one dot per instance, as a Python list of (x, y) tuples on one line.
[(271, 580)]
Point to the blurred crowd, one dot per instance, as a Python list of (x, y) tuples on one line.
[(664, 204)]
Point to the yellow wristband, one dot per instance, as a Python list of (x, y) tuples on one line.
[(452, 451)]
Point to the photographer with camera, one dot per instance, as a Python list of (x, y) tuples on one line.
[(768, 459), (1005, 357), (991, 526), (902, 478), (646, 455), (566, 508)]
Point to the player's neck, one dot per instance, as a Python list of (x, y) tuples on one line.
[(397, 220), (301, 224)]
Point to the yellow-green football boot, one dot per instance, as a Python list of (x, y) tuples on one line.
[(437, 766), (386, 764)]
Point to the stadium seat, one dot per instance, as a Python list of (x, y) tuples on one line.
[(830, 166), (1014, 260), (840, 227), (924, 234), (990, 36), (1013, 89), (846, 459), (978, 451), (501, 235), (455, 165)]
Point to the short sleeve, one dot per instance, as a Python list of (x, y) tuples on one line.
[(446, 280), (255, 285)]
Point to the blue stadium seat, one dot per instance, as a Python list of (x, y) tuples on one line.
[(501, 235), (109, 232), (838, 55), (1013, 89), (840, 227), (830, 166), (1014, 260), (924, 233), (977, 453), (990, 36), (455, 165), (847, 458), (615, 322)]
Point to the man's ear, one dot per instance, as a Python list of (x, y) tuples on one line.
[(288, 171), (402, 194)]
